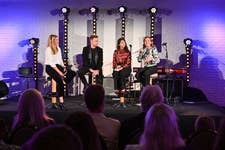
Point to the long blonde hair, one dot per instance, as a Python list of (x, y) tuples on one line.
[(52, 44)]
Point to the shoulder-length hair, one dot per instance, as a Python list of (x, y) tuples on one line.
[(161, 130), (52, 44), (31, 109), (150, 95), (83, 124), (148, 37), (118, 44)]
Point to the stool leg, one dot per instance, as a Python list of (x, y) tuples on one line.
[(53, 91), (121, 99), (150, 81)]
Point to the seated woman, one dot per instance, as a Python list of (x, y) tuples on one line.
[(148, 55), (121, 65), (55, 69), (31, 116)]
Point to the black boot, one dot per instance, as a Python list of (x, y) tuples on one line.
[(62, 106), (54, 106)]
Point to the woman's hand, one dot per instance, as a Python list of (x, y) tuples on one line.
[(148, 59)]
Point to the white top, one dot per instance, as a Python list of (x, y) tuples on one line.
[(51, 59)]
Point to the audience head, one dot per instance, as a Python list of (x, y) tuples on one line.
[(54, 137), (83, 125), (150, 95), (94, 98), (122, 44), (203, 123), (94, 41), (161, 130), (219, 143), (31, 108)]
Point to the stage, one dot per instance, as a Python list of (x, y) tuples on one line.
[(187, 112)]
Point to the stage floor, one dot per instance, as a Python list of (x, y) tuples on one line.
[(187, 113)]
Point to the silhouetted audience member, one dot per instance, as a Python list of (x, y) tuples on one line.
[(108, 128), (132, 128), (3, 135), (204, 123), (219, 143), (55, 137), (83, 125), (161, 130), (204, 135), (30, 118)]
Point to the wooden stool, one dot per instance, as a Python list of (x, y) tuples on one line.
[(153, 76), (53, 91)]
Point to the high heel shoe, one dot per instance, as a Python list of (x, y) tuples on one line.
[(54, 106), (62, 106)]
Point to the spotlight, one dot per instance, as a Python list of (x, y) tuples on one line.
[(153, 10), (65, 10), (34, 41), (122, 9), (93, 9), (187, 41)]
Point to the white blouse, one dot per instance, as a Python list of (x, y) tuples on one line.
[(51, 59)]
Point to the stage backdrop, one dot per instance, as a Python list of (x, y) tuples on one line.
[(203, 21)]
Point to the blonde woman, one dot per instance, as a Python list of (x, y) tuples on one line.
[(55, 69)]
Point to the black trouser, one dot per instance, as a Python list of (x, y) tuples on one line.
[(59, 81), (85, 70), (143, 75), (120, 78)]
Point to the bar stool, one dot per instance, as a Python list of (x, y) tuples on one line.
[(53, 93), (26, 72), (152, 77)]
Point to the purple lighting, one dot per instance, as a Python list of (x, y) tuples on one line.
[(9, 36), (214, 34)]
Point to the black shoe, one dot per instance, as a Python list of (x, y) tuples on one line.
[(54, 106), (62, 106), (123, 105), (85, 87)]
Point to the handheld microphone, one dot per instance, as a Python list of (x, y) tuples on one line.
[(164, 44), (130, 45)]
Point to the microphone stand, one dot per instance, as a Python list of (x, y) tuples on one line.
[(131, 75), (167, 73)]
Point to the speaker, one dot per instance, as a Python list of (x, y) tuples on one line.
[(4, 90), (170, 87)]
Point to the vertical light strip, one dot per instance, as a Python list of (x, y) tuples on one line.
[(94, 23), (188, 47), (123, 26), (65, 11), (152, 26), (35, 62), (152, 12)]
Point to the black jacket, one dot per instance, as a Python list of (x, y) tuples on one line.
[(87, 58)]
